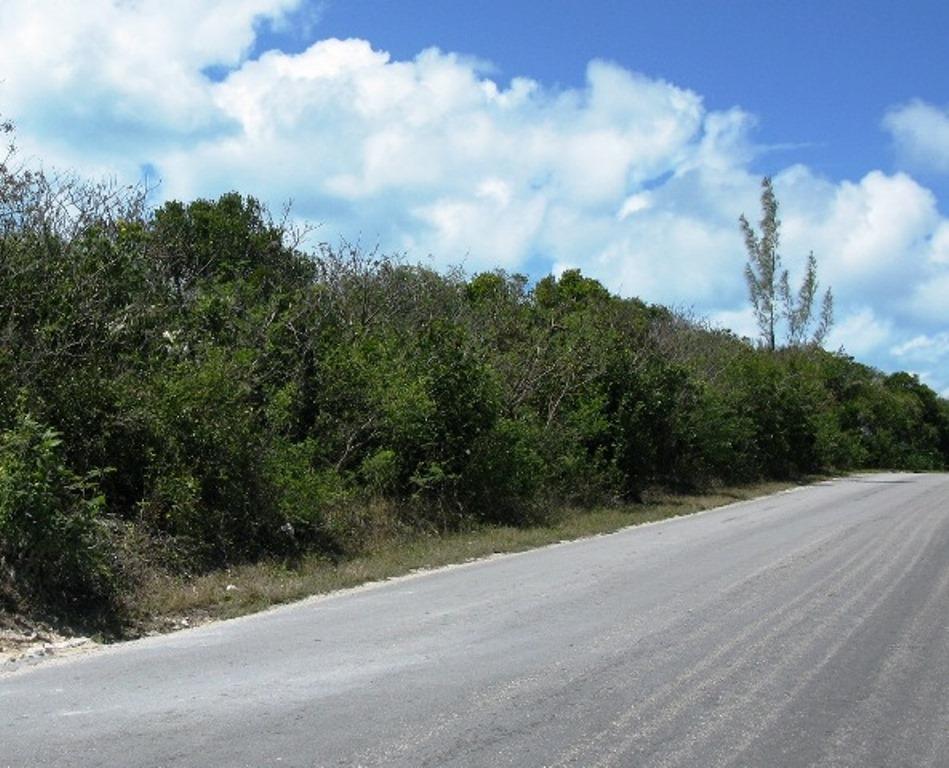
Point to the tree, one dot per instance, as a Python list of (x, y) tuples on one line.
[(761, 271), (769, 285), (799, 312)]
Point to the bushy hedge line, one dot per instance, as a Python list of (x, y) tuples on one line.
[(192, 373)]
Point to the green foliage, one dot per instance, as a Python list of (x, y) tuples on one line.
[(194, 376), (502, 482), (571, 290), (304, 494), (232, 238), (52, 535), (203, 474)]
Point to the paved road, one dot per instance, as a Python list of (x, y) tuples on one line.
[(808, 628)]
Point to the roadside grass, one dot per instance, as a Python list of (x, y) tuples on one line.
[(165, 603)]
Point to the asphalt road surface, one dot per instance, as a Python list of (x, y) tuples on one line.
[(810, 628)]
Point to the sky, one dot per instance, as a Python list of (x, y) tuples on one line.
[(621, 138)]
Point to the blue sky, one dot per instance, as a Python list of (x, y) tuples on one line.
[(623, 138)]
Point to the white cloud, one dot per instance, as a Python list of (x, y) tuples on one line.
[(740, 321), (437, 158), (929, 352), (921, 134), (865, 234), (503, 229), (629, 178), (924, 348), (634, 204), (96, 85), (939, 253), (860, 333), (931, 298)]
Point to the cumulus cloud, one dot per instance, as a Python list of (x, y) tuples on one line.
[(432, 156), (866, 227), (108, 81), (630, 178), (921, 134)]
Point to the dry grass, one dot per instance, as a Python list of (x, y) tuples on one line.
[(166, 603)]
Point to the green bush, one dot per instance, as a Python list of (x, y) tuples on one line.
[(305, 496), (204, 458), (235, 398), (504, 479), (52, 534)]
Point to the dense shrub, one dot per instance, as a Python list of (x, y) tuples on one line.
[(53, 537), (203, 457), (194, 374)]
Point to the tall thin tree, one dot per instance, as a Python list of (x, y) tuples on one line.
[(763, 270), (769, 286)]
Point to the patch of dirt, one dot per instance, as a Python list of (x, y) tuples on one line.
[(24, 641)]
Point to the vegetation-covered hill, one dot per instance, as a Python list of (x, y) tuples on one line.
[(188, 387)]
